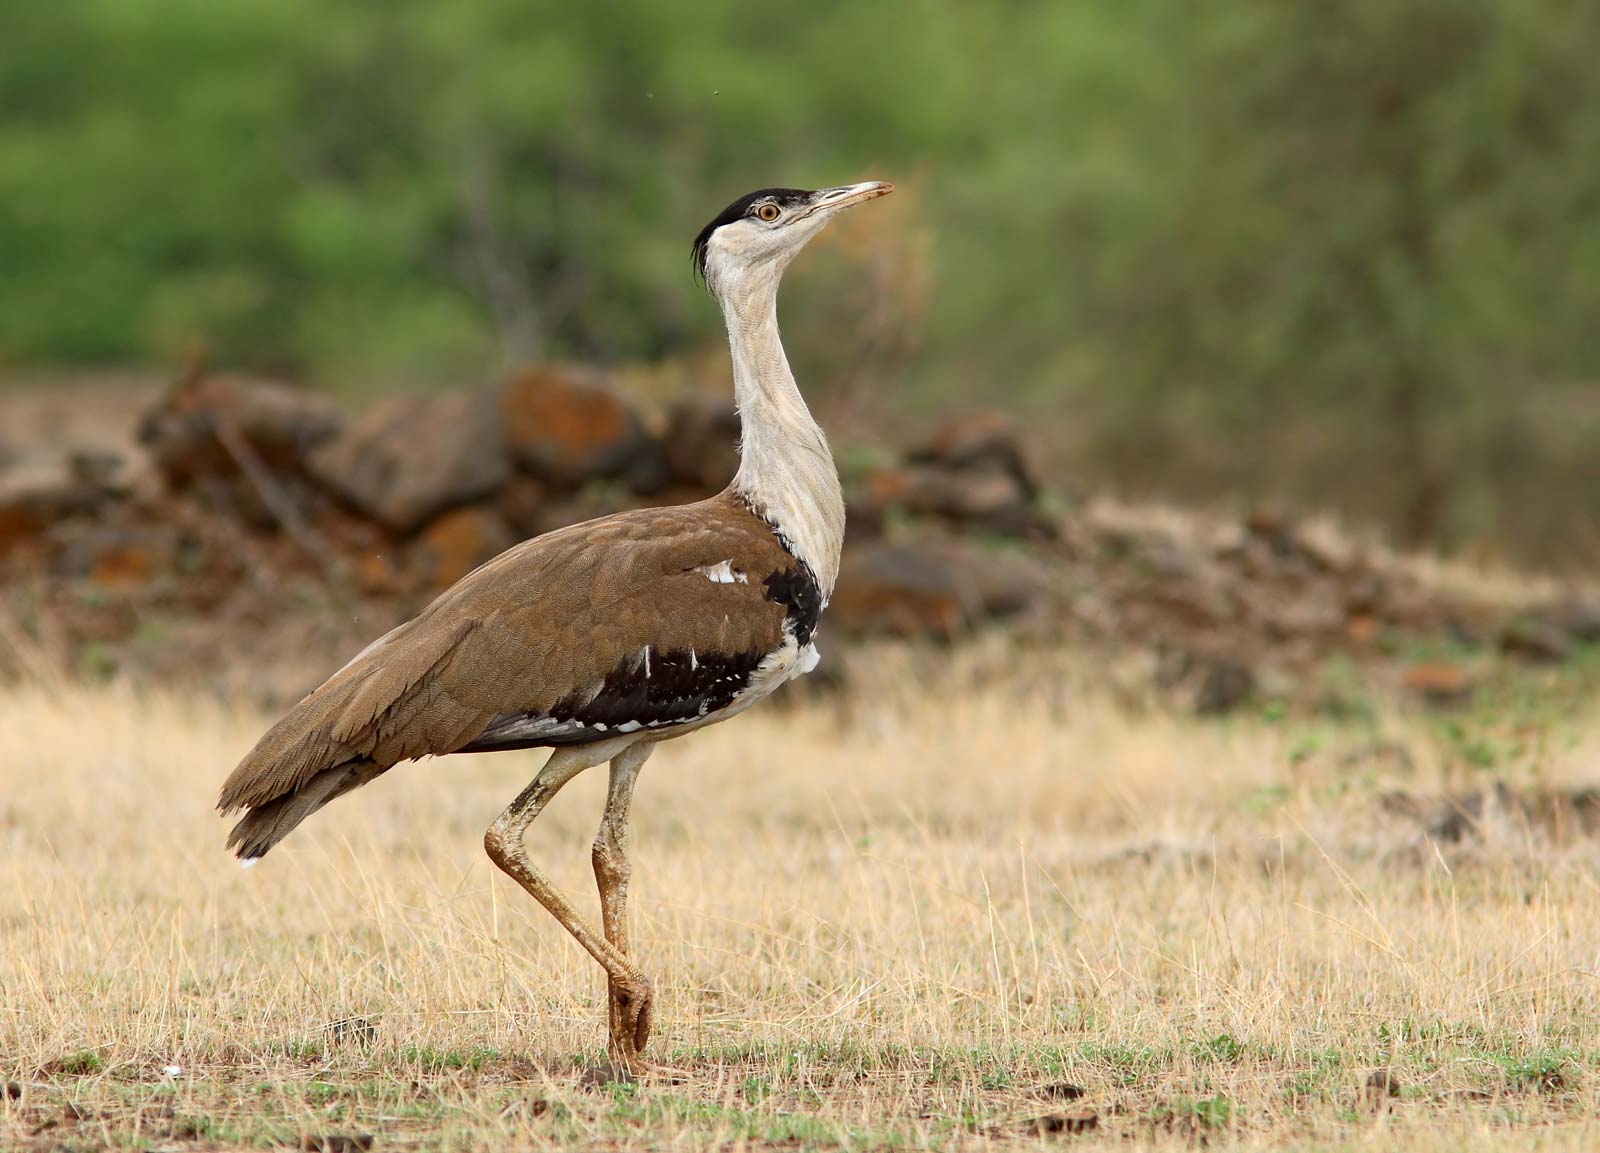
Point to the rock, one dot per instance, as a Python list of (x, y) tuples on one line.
[(1361, 629), (240, 446), (1007, 582), (702, 443), (647, 473), (1224, 686), (1438, 683), (985, 501), (1215, 685), (1578, 618), (595, 500), (456, 543), (1381, 1086), (864, 518), (279, 424), (524, 502), (1452, 819), (41, 491), (1183, 599), (116, 555), (932, 588), (1536, 640), (378, 573), (1284, 544), (981, 442), (566, 425), (409, 458), (886, 588)]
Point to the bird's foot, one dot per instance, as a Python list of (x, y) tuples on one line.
[(631, 1013)]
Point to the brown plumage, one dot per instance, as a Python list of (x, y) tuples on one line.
[(563, 611), (601, 639)]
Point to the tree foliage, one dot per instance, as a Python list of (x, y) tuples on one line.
[(1343, 251)]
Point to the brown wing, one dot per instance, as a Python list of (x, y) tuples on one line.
[(544, 644)]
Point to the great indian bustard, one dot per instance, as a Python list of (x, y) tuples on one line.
[(601, 639)]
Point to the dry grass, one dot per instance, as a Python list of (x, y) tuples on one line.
[(907, 930)]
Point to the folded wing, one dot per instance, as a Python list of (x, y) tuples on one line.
[(634, 622)]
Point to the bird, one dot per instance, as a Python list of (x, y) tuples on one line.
[(600, 640)]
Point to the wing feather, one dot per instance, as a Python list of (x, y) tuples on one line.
[(542, 626)]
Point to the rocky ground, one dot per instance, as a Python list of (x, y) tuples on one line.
[(251, 519)]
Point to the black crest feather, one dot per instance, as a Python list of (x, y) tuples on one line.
[(737, 211)]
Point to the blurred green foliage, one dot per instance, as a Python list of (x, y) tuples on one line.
[(1346, 253)]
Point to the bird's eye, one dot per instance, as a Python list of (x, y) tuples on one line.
[(768, 212)]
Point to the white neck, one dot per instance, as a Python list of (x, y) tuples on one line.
[(786, 472)]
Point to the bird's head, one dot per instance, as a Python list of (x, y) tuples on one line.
[(757, 235)]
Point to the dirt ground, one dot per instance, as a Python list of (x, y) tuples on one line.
[(999, 913)]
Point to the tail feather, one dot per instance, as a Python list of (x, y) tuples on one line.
[(384, 707), (266, 824)]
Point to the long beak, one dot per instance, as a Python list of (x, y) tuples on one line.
[(831, 200)]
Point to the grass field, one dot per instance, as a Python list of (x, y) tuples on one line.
[(927, 923)]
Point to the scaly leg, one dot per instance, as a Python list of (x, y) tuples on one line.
[(503, 843), (611, 872)]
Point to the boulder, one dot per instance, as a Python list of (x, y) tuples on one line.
[(117, 555), (523, 501), (985, 501), (931, 588), (456, 543), (1578, 618), (1439, 683), (1224, 686), (864, 517), (41, 491), (410, 457), (1536, 640), (595, 500), (702, 443), (1214, 685), (1274, 544), (983, 441), (566, 425), (188, 433), (240, 447)]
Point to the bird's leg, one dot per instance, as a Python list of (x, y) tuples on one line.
[(630, 1024), (503, 843)]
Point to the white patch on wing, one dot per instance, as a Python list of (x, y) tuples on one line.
[(809, 656), (722, 573)]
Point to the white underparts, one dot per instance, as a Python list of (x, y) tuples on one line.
[(722, 573), (789, 660)]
